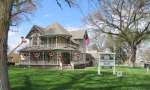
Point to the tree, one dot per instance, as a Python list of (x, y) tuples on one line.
[(128, 20), (9, 10), (101, 40), (98, 39), (5, 18), (121, 54)]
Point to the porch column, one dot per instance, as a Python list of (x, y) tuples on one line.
[(29, 59), (56, 41), (59, 60), (47, 42), (38, 41), (70, 57), (71, 60), (43, 59)]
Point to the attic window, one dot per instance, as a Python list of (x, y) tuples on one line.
[(35, 39)]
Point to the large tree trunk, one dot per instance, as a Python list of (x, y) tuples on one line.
[(132, 57), (5, 15)]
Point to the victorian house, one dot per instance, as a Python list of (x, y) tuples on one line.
[(54, 46)]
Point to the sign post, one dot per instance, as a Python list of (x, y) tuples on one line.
[(114, 68), (99, 68), (107, 59)]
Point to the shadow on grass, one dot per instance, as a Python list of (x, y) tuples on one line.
[(117, 87), (68, 85), (80, 80), (84, 81), (27, 85)]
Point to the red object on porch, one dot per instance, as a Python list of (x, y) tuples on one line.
[(50, 54), (36, 54)]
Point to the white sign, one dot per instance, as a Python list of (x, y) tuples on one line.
[(106, 60), (107, 63), (106, 57)]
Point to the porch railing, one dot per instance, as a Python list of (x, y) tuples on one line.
[(54, 46), (38, 62)]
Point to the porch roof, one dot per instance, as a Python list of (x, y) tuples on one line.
[(26, 49)]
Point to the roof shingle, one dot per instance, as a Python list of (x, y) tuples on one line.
[(56, 29), (78, 34)]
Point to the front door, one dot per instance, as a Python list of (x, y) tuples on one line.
[(66, 57)]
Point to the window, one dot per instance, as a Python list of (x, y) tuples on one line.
[(35, 39)]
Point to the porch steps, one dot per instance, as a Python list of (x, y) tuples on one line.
[(67, 67)]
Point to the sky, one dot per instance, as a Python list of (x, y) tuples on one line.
[(48, 12)]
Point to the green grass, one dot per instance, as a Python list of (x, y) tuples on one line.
[(85, 79)]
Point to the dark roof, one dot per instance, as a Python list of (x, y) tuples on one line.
[(56, 29)]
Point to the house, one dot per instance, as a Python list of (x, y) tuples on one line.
[(78, 35), (53, 46)]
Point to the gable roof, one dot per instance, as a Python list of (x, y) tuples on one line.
[(35, 28), (78, 34), (56, 29), (51, 30)]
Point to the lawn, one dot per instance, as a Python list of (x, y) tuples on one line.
[(81, 79)]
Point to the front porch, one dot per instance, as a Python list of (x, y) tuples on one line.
[(56, 58)]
